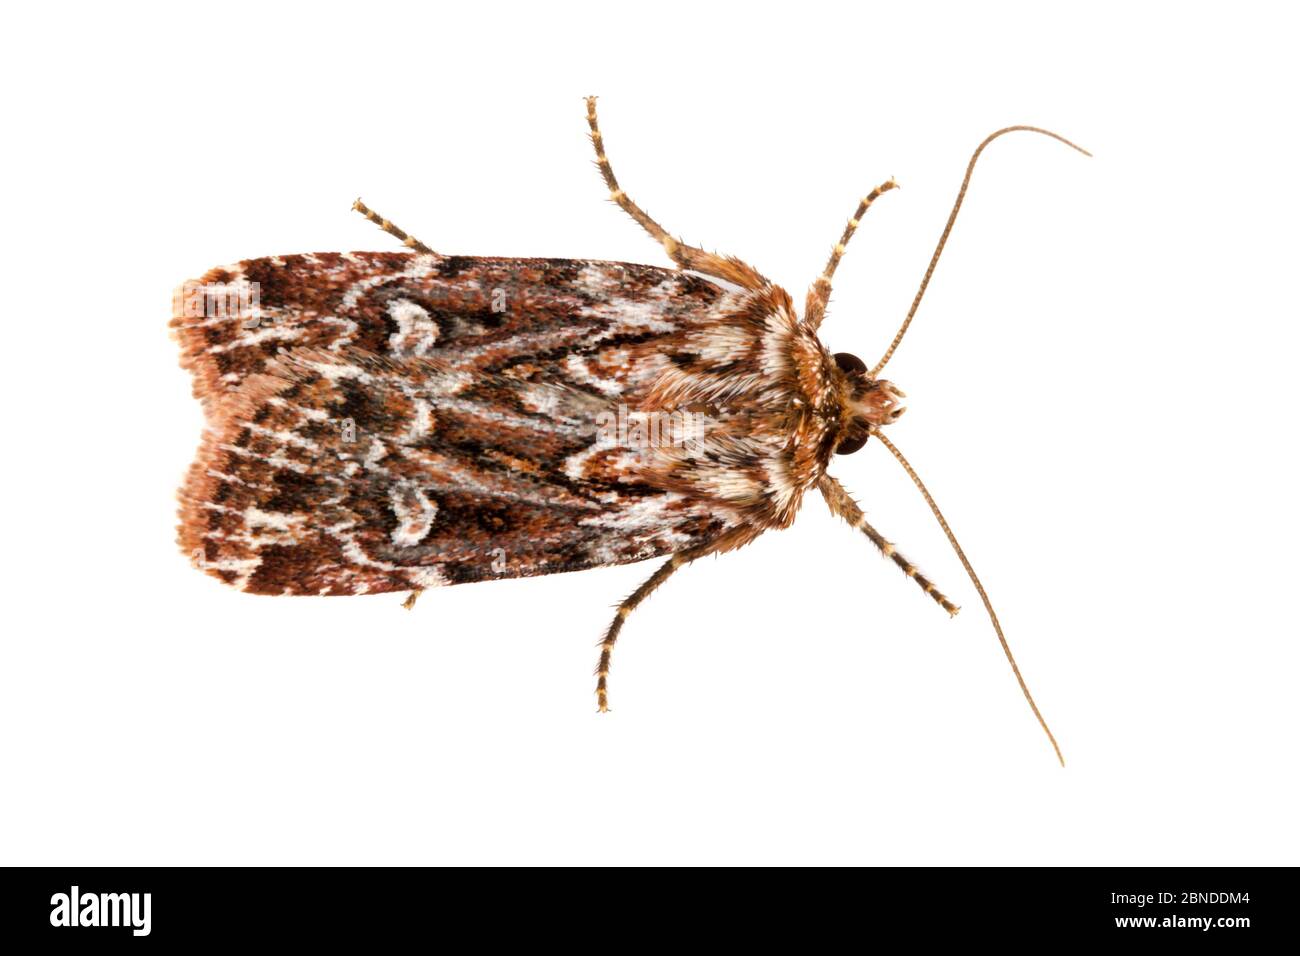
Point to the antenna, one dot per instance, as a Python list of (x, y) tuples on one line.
[(952, 217), (988, 606)]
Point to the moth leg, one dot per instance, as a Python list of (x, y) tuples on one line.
[(841, 504), (409, 603), (409, 241), (636, 597), (819, 292), (687, 257)]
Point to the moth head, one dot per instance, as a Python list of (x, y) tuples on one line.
[(866, 402)]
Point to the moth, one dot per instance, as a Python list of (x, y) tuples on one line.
[(400, 421)]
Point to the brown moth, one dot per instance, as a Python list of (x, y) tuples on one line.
[(401, 421)]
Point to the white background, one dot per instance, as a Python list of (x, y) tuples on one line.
[(1101, 391)]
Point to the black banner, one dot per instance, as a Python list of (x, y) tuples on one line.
[(1228, 908)]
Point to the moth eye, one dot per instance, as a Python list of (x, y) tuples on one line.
[(850, 445), (850, 364)]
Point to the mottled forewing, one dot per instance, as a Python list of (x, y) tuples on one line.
[(583, 322), (391, 422)]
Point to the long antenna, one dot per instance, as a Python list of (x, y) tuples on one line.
[(988, 606), (952, 217)]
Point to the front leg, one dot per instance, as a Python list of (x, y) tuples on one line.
[(819, 294), (843, 505)]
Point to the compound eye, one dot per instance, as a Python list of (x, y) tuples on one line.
[(850, 445), (849, 363)]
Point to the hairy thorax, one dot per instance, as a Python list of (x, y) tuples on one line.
[(766, 402)]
